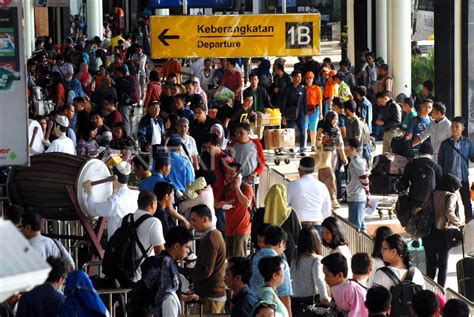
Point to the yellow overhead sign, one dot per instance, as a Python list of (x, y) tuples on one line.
[(235, 35)]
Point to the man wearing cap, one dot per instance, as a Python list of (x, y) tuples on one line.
[(413, 170), (182, 172), (309, 197), (120, 203), (314, 100), (151, 129), (62, 143), (294, 107), (454, 156), (343, 91)]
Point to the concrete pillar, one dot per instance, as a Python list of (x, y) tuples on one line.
[(185, 7), (458, 69), (350, 30), (401, 46), (388, 60), (162, 12), (256, 6), (93, 20), (101, 18), (381, 28), (467, 36), (29, 14), (283, 6)]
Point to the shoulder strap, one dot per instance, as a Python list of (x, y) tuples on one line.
[(56, 242), (390, 274), (137, 224), (360, 284), (410, 274), (458, 151)]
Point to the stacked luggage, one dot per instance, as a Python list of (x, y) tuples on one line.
[(387, 170)]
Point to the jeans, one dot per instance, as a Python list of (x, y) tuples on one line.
[(220, 216), (437, 253), (300, 122), (465, 192), (357, 214), (367, 155)]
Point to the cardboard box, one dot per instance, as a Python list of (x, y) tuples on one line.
[(283, 138), (263, 119)]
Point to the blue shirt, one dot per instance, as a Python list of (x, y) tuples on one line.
[(243, 302), (43, 300), (366, 112), (182, 172), (148, 183), (451, 161), (256, 282), (417, 125)]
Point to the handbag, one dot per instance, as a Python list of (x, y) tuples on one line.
[(420, 224), (323, 159), (454, 236)]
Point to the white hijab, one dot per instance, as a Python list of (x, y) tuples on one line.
[(218, 127), (200, 91)]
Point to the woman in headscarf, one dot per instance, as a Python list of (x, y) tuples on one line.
[(85, 78), (329, 143), (447, 208), (75, 87), (198, 90), (277, 212), (218, 130), (82, 299)]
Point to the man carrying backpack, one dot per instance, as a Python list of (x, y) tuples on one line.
[(127, 95), (421, 175)]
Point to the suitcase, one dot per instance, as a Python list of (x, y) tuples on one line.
[(389, 163), (383, 184), (284, 138), (465, 274)]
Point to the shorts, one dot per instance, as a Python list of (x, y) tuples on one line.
[(312, 123)]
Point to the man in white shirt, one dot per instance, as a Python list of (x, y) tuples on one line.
[(191, 152), (150, 231), (309, 197), (66, 70), (151, 129), (139, 59), (119, 204), (62, 143), (438, 130)]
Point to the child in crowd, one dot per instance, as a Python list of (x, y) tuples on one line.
[(378, 301), (361, 265), (348, 295)]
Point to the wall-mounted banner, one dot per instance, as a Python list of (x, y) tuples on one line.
[(235, 35), (13, 104)]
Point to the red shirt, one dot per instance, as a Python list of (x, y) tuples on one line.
[(237, 219), (218, 185), (112, 118), (233, 81), (153, 92)]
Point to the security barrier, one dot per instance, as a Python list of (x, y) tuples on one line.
[(452, 294)]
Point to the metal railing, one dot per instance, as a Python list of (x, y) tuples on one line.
[(452, 294), (359, 241)]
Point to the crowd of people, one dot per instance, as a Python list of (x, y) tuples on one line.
[(198, 127)]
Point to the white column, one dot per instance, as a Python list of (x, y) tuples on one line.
[(401, 47), (381, 28), (283, 6), (350, 30), (93, 26), (100, 17), (185, 7), (29, 12), (388, 60), (162, 12), (369, 25), (255, 6)]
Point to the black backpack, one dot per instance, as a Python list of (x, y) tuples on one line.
[(422, 183), (120, 257), (402, 292)]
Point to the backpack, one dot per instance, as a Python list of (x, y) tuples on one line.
[(120, 257), (420, 223), (365, 138), (403, 209), (402, 292), (422, 183), (401, 145)]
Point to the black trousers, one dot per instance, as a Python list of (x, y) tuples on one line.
[(465, 192), (437, 253)]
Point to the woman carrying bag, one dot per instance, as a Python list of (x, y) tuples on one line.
[(444, 233), (329, 143)]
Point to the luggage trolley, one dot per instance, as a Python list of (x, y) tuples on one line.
[(281, 141)]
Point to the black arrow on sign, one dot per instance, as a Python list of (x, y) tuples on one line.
[(163, 37)]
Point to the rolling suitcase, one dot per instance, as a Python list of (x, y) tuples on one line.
[(389, 163), (465, 274), (383, 184)]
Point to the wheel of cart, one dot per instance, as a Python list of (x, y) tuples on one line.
[(387, 203), (279, 155)]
